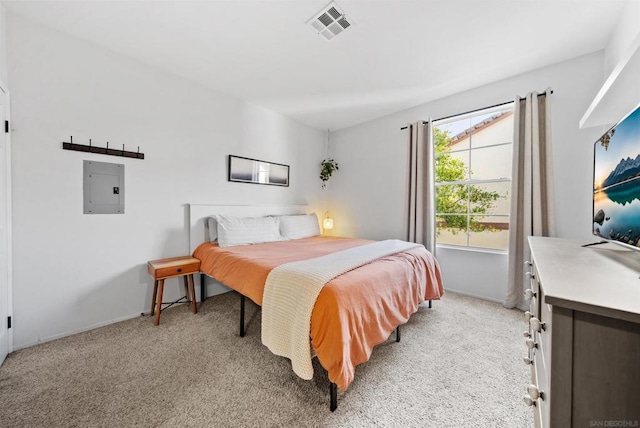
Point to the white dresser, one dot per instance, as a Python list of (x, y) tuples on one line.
[(583, 339)]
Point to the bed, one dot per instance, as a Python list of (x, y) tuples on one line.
[(354, 311)]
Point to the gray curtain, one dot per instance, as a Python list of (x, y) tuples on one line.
[(421, 206), (532, 210)]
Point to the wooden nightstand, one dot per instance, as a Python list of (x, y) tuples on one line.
[(173, 267)]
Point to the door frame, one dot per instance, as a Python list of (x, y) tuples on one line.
[(9, 222)]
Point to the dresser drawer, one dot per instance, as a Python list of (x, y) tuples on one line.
[(535, 287), (543, 338), (540, 380), (542, 369), (177, 266), (537, 414), (533, 290)]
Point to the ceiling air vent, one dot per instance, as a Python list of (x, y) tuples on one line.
[(330, 21)]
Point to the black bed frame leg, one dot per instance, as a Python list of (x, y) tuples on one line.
[(242, 331), (398, 334), (333, 397), (202, 289), (430, 304)]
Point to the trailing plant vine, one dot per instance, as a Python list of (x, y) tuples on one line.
[(328, 167)]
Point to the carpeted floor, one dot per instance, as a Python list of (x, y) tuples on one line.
[(459, 364)]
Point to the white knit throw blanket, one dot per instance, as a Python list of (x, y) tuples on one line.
[(291, 291)]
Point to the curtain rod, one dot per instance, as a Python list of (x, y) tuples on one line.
[(473, 111)]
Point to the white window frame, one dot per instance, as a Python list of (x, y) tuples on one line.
[(470, 181)]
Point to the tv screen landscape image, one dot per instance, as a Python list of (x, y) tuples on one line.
[(616, 182)]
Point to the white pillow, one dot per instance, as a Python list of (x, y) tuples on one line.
[(212, 229), (247, 230), (299, 226)]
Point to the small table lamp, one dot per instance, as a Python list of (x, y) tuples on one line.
[(327, 223)]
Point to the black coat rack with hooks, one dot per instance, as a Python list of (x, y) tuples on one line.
[(101, 150)]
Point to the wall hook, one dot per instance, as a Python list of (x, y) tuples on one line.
[(101, 150)]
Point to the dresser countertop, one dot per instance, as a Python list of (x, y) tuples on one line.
[(602, 279)]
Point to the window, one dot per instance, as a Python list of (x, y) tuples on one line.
[(473, 178)]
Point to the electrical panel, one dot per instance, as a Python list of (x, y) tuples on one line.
[(103, 188)]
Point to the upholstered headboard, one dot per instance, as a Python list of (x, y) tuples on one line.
[(198, 213), (198, 233)]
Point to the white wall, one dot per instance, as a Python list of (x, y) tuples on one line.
[(368, 196), (3, 44), (72, 271), (620, 89), (626, 31)]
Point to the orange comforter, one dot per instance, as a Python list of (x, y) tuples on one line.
[(354, 312)]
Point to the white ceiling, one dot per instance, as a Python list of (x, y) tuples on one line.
[(397, 55)]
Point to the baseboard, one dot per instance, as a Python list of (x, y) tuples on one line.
[(212, 290), (464, 293), (80, 330)]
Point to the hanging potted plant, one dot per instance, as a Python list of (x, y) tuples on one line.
[(328, 166)]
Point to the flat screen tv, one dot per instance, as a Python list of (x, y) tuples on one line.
[(616, 182)]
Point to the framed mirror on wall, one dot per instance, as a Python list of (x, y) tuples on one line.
[(247, 170)]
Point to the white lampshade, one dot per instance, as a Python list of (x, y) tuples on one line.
[(327, 223)]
